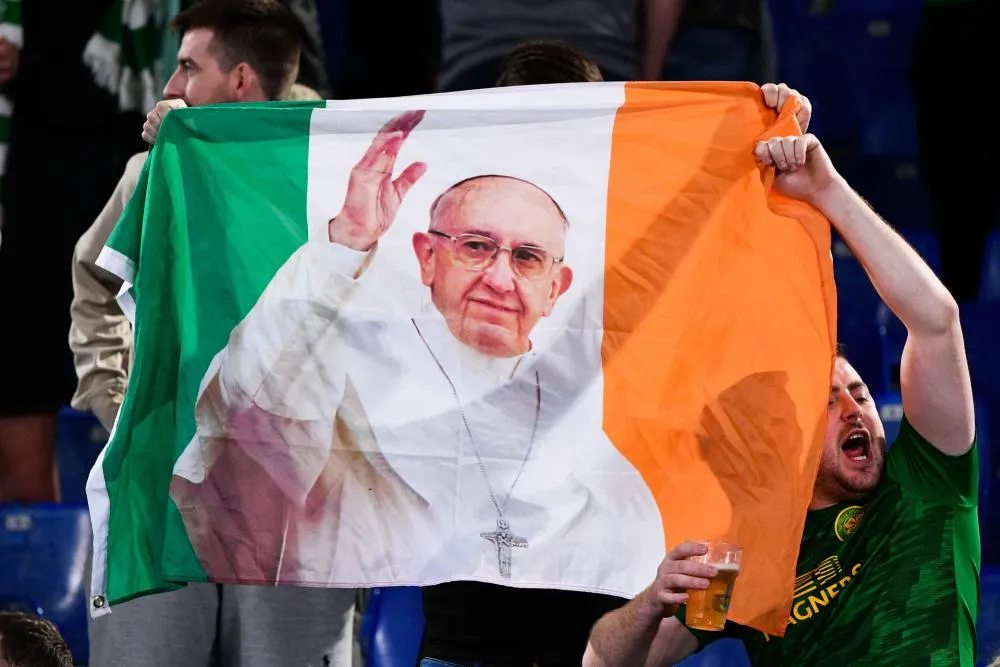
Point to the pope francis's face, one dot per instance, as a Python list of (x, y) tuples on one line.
[(492, 260)]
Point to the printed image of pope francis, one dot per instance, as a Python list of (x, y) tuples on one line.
[(343, 440)]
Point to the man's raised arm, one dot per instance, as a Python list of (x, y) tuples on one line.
[(934, 375)]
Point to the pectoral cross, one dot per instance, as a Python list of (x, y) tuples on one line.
[(504, 541)]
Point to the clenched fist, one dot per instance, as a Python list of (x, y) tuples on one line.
[(155, 117), (775, 96), (804, 170)]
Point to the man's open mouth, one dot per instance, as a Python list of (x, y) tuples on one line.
[(857, 446)]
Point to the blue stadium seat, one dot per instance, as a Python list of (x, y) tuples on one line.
[(892, 337), (890, 411), (989, 519), (871, 8), (980, 324), (925, 242), (989, 498), (857, 306), (875, 40), (988, 625), (894, 187), (392, 627), (989, 288), (851, 58), (876, 54), (807, 56), (723, 653), (987, 466), (43, 554), (80, 438)]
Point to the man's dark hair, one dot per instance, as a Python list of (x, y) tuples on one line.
[(547, 61), (842, 351), (29, 641), (262, 33)]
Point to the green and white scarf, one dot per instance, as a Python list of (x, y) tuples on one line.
[(10, 29), (124, 53)]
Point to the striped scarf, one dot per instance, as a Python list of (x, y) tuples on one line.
[(10, 29), (124, 54)]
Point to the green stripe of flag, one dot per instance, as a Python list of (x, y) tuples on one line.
[(223, 194)]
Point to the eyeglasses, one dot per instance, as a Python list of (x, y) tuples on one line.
[(477, 252)]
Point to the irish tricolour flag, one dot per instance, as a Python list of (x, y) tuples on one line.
[(528, 336)]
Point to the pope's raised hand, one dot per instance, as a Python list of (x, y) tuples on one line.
[(373, 196)]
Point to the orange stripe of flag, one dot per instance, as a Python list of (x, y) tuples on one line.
[(719, 329)]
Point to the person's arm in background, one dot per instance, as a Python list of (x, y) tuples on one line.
[(312, 60), (662, 17), (100, 335), (645, 631)]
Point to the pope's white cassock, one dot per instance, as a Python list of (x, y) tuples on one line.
[(358, 411)]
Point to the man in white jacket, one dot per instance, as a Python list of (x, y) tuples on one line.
[(201, 624)]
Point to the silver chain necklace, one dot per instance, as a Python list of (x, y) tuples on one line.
[(502, 537)]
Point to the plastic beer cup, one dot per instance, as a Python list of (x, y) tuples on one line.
[(707, 607)]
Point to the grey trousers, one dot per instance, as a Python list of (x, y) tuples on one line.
[(208, 625)]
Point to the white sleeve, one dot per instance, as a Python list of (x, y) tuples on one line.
[(280, 379)]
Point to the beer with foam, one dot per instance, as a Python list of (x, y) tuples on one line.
[(707, 608)]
